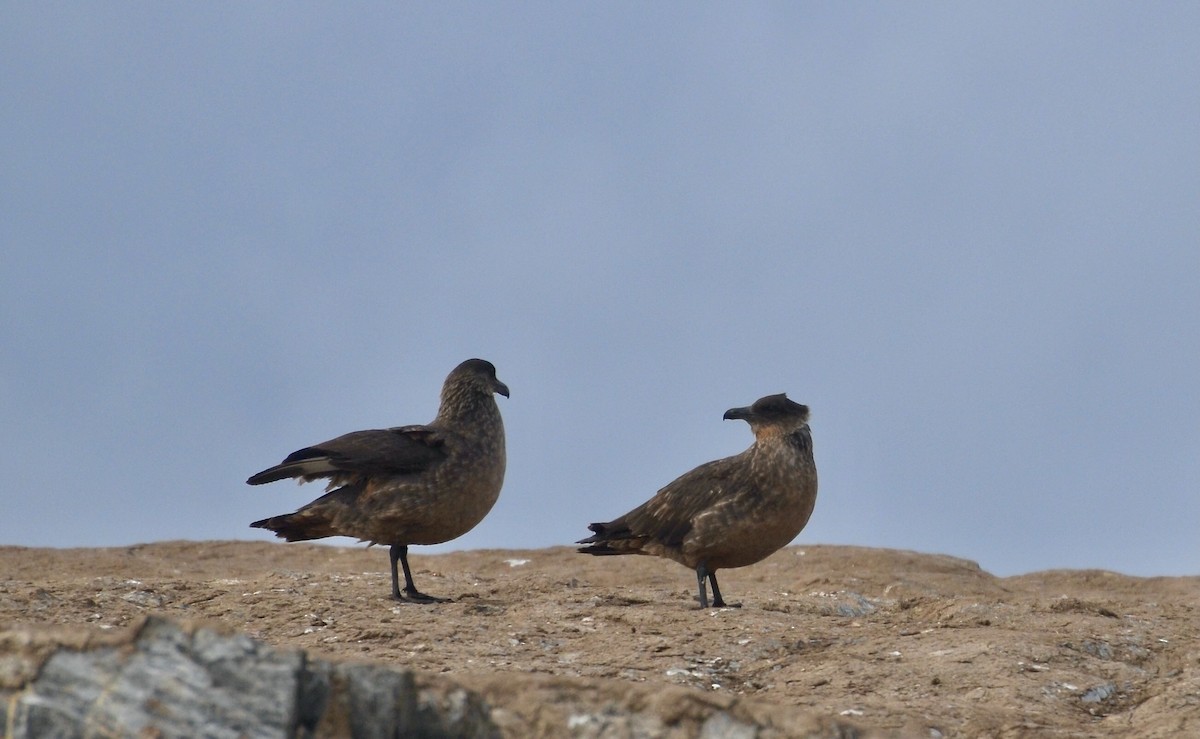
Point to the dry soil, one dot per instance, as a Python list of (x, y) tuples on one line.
[(900, 642)]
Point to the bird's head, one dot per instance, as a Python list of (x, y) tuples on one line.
[(773, 412), (479, 374)]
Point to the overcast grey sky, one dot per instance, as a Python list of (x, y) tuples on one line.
[(966, 234)]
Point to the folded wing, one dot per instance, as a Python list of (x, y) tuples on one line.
[(668, 517), (396, 451)]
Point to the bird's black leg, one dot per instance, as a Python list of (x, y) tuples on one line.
[(701, 573), (396, 552), (399, 552), (718, 601)]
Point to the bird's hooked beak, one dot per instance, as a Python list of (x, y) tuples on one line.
[(738, 413), (501, 388)]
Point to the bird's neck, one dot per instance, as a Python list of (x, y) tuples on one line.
[(774, 440), (464, 407)]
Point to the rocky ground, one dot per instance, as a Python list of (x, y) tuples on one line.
[(561, 644)]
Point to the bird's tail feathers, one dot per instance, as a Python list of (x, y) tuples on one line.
[(602, 550), (610, 538), (296, 526), (600, 532)]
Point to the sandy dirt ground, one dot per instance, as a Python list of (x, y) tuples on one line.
[(905, 643)]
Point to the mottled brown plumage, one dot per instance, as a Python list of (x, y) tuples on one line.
[(729, 513), (408, 484)]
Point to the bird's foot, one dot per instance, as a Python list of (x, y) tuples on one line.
[(416, 596), (722, 604)]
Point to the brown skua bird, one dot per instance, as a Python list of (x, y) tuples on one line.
[(405, 485), (731, 512)]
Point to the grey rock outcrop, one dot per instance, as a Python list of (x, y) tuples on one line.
[(163, 679)]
